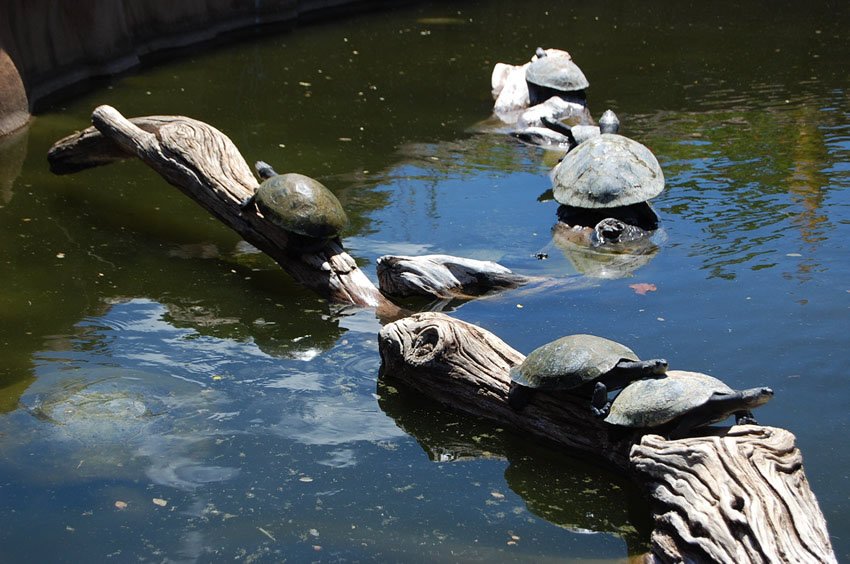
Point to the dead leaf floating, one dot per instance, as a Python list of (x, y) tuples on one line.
[(120, 504), (641, 288)]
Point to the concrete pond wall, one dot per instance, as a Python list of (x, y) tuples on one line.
[(48, 46)]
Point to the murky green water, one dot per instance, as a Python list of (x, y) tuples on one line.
[(148, 355)]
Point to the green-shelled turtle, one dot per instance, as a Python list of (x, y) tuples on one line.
[(580, 361), (683, 401), (300, 205)]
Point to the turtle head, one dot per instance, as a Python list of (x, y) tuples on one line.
[(755, 397), (264, 170), (657, 366), (609, 122)]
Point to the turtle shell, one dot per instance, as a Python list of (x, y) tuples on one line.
[(558, 72), (570, 362), (301, 205), (654, 402), (608, 171)]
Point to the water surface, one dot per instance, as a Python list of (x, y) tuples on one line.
[(265, 433)]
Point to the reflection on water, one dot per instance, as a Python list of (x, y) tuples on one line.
[(569, 493), (261, 428)]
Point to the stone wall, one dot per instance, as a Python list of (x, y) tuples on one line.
[(49, 45)]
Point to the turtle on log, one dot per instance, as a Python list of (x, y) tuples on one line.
[(586, 363), (555, 74), (608, 176), (683, 401), (303, 207)]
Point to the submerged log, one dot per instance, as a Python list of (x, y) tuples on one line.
[(206, 166), (729, 495)]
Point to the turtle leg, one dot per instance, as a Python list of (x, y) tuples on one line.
[(519, 396), (246, 203), (681, 430), (688, 423), (599, 404), (745, 417)]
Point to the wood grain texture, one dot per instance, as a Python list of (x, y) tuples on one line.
[(204, 164), (443, 276), (732, 495)]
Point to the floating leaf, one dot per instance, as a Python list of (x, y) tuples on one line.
[(641, 288), (159, 501), (120, 504)]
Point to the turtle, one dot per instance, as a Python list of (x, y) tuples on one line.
[(577, 134), (300, 205), (554, 74), (107, 410), (682, 402), (607, 171), (580, 361)]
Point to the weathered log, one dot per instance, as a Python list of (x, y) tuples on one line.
[(741, 496), (206, 166), (466, 367), (443, 276), (729, 495), (89, 148)]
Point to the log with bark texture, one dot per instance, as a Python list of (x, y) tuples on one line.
[(733, 495), (206, 166), (443, 276)]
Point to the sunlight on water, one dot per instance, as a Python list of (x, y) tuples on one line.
[(169, 394)]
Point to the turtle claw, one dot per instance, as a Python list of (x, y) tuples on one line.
[(745, 418), (599, 405), (601, 413), (246, 203)]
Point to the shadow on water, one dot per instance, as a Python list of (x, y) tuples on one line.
[(579, 496)]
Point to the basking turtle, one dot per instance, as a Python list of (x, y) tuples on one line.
[(607, 171), (683, 401), (554, 74), (580, 361), (308, 211), (577, 134)]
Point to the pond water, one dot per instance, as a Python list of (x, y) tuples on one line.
[(169, 394)]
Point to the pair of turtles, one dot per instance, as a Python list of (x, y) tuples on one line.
[(303, 207), (651, 397)]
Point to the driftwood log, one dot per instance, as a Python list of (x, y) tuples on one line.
[(728, 495), (738, 495), (206, 166), (443, 276)]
